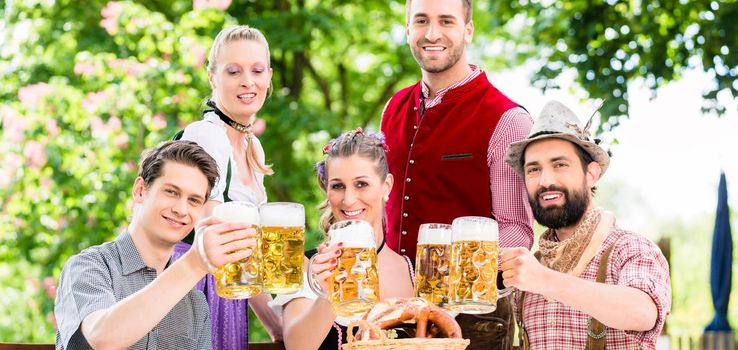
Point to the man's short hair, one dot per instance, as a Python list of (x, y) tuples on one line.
[(467, 10), (182, 152)]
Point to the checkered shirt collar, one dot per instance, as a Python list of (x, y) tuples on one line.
[(425, 90), (130, 258)]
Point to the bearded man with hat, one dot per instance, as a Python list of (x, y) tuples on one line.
[(592, 284)]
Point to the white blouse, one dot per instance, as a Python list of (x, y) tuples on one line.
[(210, 134)]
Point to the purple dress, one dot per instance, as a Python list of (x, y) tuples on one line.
[(229, 318)]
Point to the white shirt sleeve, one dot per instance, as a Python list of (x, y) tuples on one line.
[(509, 198), (213, 139)]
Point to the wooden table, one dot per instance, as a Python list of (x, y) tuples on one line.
[(18, 346)]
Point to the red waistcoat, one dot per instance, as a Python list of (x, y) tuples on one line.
[(440, 162)]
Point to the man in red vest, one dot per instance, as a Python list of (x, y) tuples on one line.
[(447, 137)]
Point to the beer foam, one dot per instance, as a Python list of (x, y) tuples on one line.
[(434, 234), (475, 228), (237, 212), (353, 234), (282, 214)]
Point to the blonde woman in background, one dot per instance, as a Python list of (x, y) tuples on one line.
[(240, 78)]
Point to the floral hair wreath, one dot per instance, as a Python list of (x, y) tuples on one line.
[(358, 131), (320, 166)]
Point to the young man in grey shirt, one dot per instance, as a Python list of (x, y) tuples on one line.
[(127, 293)]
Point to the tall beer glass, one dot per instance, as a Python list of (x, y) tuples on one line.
[(475, 248), (241, 279), (283, 241), (353, 286), (431, 263)]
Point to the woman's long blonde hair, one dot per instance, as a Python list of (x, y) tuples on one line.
[(236, 33), (356, 142)]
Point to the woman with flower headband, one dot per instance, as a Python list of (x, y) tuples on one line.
[(357, 182), (240, 77)]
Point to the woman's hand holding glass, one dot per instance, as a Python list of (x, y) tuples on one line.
[(324, 263)]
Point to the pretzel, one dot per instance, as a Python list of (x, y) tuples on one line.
[(430, 320)]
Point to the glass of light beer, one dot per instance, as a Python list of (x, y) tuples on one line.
[(353, 286), (240, 279), (475, 249), (282, 246), (432, 263)]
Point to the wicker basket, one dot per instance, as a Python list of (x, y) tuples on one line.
[(402, 344)]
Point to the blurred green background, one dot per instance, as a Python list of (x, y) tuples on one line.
[(87, 86)]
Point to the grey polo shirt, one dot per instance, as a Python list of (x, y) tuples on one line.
[(102, 275)]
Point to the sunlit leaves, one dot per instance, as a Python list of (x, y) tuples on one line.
[(612, 43)]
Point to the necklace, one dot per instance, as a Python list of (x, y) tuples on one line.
[(381, 245), (234, 124)]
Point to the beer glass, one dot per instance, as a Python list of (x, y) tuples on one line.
[(240, 279), (431, 263), (282, 246), (475, 249), (353, 286)]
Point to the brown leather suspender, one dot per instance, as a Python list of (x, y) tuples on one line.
[(596, 331)]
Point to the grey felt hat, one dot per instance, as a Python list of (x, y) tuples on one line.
[(558, 121)]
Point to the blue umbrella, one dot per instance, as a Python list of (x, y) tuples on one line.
[(721, 261)]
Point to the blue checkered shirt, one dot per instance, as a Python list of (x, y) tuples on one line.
[(102, 275)]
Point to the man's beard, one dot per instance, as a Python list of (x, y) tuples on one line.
[(575, 205), (437, 66)]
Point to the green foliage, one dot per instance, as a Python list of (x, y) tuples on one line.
[(25, 305), (691, 245), (613, 42), (257, 333)]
